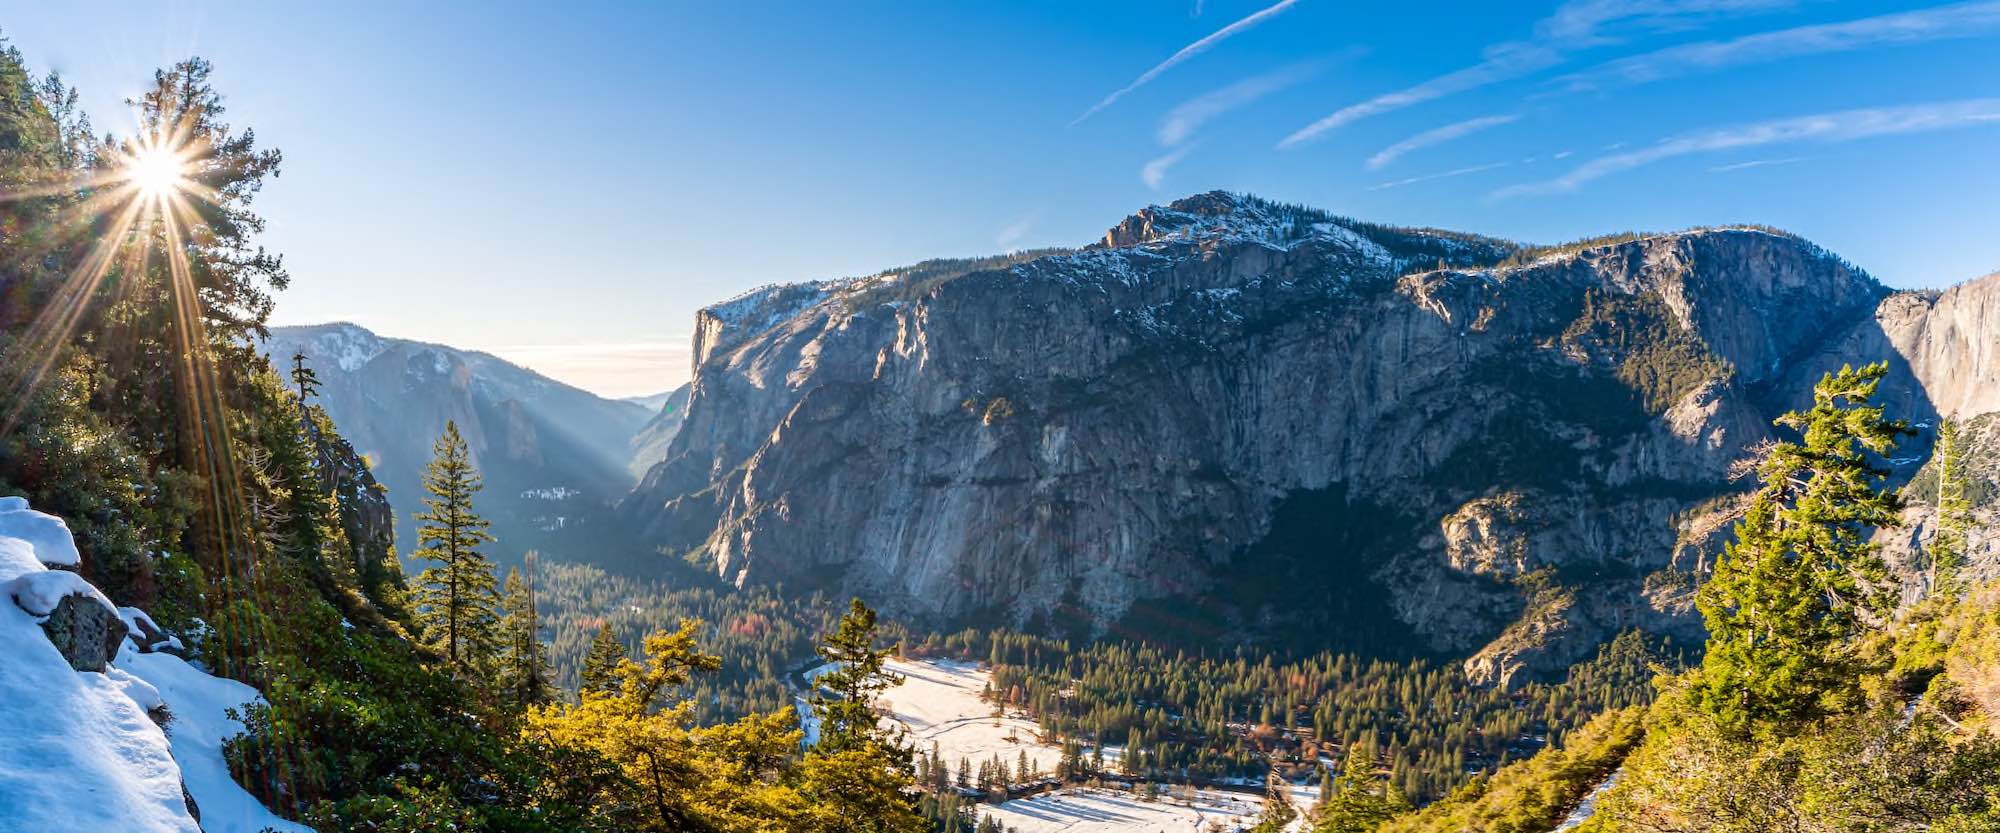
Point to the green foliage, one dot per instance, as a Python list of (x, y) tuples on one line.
[(1532, 796), (844, 700), (523, 678), (636, 761), (1236, 715), (761, 633), (1954, 511), (1798, 585), (456, 600), (600, 666), (1359, 801), (1651, 352), (1866, 770)]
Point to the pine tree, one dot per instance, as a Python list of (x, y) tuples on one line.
[(1278, 810), (1954, 511), (1360, 802), (524, 661), (600, 665), (1789, 595), (847, 717), (304, 378), (456, 598)]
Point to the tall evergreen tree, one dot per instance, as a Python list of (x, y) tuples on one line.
[(524, 660), (1278, 811), (456, 598), (600, 664), (847, 716), (1801, 580), (1360, 802), (303, 377), (1954, 511), (859, 776)]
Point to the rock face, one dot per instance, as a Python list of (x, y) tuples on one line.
[(1231, 416), (85, 630), (649, 445)]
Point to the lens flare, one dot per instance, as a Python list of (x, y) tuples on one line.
[(157, 171)]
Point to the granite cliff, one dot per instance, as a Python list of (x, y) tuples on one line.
[(1234, 417)]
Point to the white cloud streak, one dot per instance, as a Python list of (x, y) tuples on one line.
[(1841, 126), (1187, 52), (1755, 163), (1012, 234), (1504, 62), (1593, 22), (1576, 25), (1438, 136), (1182, 121), (1155, 172), (1960, 20), (1445, 175)]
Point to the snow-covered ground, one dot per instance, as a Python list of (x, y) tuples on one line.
[(939, 704), (1084, 810), (78, 750)]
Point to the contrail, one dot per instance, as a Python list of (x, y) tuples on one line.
[(1187, 52)]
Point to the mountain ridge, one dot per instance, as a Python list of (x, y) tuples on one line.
[(552, 454), (1110, 432)]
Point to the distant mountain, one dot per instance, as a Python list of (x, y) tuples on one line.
[(553, 456), (649, 446), (653, 401), (1233, 419)]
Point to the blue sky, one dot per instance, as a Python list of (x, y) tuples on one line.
[(566, 187)]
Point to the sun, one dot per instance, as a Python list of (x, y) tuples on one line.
[(157, 171)]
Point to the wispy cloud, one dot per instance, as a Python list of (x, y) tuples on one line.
[(1842, 126), (1182, 121), (1190, 51), (1504, 62), (1576, 25), (1012, 234), (1592, 22), (1155, 172), (1755, 163), (1960, 20), (1438, 136), (1445, 175)]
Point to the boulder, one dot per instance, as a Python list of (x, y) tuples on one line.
[(85, 630)]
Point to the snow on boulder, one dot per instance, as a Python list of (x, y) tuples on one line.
[(76, 752), (145, 634), (17, 558), (80, 622), (79, 747), (38, 593), (48, 534)]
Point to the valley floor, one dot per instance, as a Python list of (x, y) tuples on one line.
[(1086, 810), (940, 704)]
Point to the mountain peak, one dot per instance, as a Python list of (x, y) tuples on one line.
[(1212, 213), (348, 345)]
